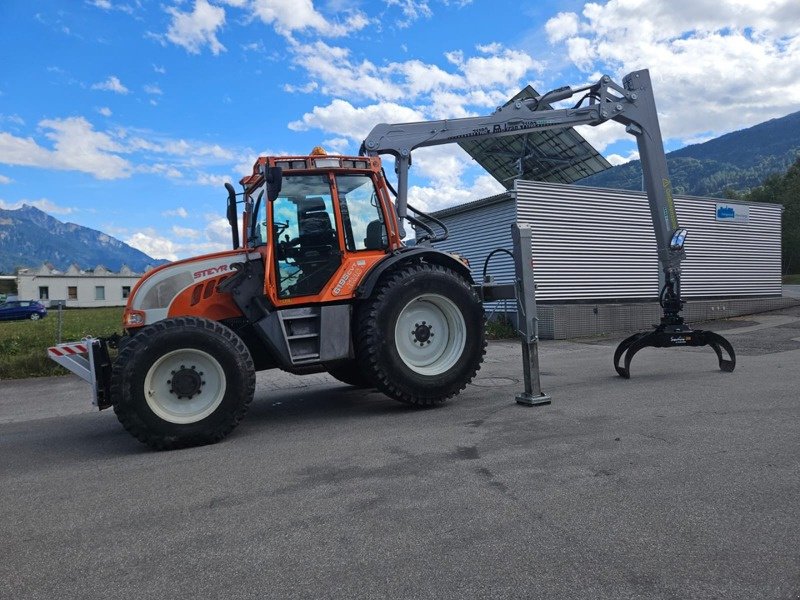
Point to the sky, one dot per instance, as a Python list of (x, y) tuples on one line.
[(127, 116)]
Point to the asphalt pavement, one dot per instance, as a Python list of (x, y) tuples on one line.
[(682, 482)]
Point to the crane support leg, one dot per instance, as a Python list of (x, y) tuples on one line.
[(527, 320)]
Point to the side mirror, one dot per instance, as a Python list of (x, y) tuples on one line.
[(274, 179)]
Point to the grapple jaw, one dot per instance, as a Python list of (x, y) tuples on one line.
[(669, 336)]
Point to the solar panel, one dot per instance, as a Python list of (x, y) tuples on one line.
[(558, 155)]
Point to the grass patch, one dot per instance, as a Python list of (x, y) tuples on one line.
[(791, 279), (23, 344), (500, 328)]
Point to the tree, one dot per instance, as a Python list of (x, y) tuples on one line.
[(785, 190)]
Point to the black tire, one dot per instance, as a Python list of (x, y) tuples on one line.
[(399, 304), (351, 374), (167, 363)]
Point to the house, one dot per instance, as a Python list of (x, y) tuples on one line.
[(76, 288)]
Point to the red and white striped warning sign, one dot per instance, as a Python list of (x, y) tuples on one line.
[(67, 349)]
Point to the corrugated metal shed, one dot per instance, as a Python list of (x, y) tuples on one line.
[(595, 244), (561, 156)]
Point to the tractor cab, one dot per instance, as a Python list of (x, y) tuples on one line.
[(319, 221)]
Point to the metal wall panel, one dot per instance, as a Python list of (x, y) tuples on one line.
[(594, 243)]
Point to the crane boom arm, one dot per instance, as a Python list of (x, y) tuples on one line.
[(631, 104)]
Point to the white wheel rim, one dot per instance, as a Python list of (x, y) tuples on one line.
[(430, 334), (163, 399), (34, 317)]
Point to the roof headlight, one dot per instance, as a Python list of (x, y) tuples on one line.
[(326, 163)]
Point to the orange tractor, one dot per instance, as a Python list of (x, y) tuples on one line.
[(319, 279)]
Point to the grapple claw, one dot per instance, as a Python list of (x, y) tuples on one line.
[(670, 337), (624, 345), (717, 342)]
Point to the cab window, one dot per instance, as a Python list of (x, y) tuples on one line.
[(258, 232), (362, 217)]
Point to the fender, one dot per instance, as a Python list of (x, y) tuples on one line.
[(413, 254)]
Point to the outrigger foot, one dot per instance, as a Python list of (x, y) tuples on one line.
[(669, 337)]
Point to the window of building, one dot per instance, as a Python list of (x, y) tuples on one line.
[(99, 292), (44, 292), (126, 291), (72, 292)]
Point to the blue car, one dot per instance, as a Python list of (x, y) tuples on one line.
[(22, 309)]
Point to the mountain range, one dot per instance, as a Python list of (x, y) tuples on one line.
[(731, 164), (30, 237)]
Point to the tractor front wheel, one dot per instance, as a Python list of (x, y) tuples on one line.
[(420, 338), (182, 382)]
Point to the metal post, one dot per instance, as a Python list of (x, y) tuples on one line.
[(527, 321), (60, 323)]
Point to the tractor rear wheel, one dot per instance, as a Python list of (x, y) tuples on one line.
[(182, 382), (420, 338)]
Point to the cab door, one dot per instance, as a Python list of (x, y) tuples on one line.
[(306, 247)]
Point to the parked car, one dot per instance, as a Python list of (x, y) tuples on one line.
[(22, 309)]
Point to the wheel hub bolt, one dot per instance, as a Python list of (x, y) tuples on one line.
[(186, 383), (422, 333)]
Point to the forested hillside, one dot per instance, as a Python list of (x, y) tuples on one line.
[(728, 165), (784, 189)]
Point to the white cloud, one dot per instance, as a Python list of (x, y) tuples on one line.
[(105, 111), (152, 89), (196, 29), (153, 244), (411, 10), (186, 232), (335, 145), (183, 242), (43, 204), (288, 16), (343, 119), (719, 66), (339, 75), (107, 5), (76, 146), (483, 80), (218, 232), (112, 84), (177, 212), (617, 159), (159, 69), (436, 197), (5, 180), (212, 180), (564, 25), (13, 119), (301, 89), (169, 171)]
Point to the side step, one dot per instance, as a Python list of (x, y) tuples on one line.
[(301, 327)]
